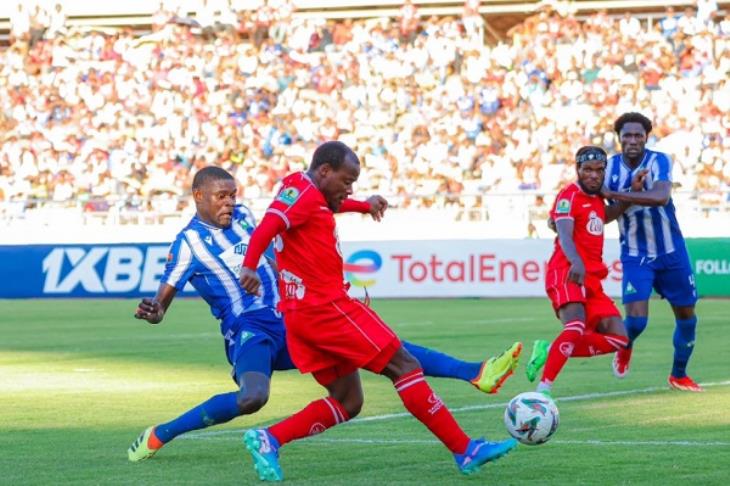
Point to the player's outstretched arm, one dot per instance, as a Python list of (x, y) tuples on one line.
[(565, 236), (271, 225), (375, 206), (153, 310)]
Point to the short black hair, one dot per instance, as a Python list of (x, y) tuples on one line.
[(332, 153), (210, 173), (589, 153), (632, 117)]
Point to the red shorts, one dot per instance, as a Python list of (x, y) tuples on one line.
[(561, 291), (337, 338)]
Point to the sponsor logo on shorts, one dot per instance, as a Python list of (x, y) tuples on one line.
[(245, 336), (360, 263)]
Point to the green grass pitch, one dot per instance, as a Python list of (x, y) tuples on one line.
[(80, 379)]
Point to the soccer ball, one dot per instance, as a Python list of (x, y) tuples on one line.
[(531, 418)]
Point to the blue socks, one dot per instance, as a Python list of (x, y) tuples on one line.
[(684, 342), (442, 365), (634, 327), (217, 410)]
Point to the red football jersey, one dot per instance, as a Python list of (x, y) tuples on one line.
[(308, 252), (588, 214)]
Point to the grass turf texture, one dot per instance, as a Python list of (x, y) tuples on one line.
[(79, 380)]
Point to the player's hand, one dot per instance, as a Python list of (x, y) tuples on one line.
[(551, 225), (637, 182), (150, 310), (577, 272), (250, 281), (606, 193), (378, 205)]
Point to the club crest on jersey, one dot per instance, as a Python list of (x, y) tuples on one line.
[(614, 178), (595, 224), (288, 196), (563, 207)]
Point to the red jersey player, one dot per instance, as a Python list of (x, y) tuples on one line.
[(330, 334), (592, 324)]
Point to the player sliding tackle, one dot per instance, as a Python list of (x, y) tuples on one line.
[(330, 334), (207, 253), (591, 322)]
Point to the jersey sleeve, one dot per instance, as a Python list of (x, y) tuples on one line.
[(563, 207), (662, 168), (294, 205), (180, 264)]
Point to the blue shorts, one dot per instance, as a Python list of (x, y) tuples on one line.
[(670, 275), (258, 345)]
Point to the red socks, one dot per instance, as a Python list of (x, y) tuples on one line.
[(592, 344), (313, 419), (421, 401), (562, 348), (418, 398)]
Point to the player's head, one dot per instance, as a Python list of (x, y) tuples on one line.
[(334, 169), (590, 163), (214, 191), (632, 130)]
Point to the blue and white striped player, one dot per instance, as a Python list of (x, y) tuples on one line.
[(208, 253), (653, 251)]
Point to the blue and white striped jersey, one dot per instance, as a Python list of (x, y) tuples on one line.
[(645, 231), (210, 258)]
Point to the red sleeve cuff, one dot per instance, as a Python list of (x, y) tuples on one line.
[(270, 226), (354, 206)]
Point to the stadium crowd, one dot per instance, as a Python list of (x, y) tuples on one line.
[(108, 118)]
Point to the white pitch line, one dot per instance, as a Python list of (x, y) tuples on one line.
[(469, 408), (670, 443), (679, 443)]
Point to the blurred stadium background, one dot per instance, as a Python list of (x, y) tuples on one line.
[(465, 115)]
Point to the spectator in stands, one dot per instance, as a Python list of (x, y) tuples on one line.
[(473, 22), (408, 23), (132, 117)]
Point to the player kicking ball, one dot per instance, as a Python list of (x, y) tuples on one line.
[(592, 324), (330, 334), (207, 254)]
